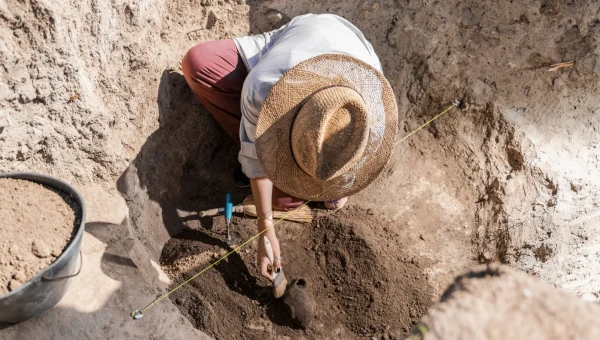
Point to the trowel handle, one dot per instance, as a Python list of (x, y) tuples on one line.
[(211, 212), (228, 205), (220, 211)]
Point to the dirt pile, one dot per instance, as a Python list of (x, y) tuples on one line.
[(37, 224), (363, 281), (501, 303)]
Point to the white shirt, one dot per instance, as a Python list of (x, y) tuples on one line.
[(269, 55)]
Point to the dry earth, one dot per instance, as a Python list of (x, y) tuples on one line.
[(37, 224), (95, 96), (360, 288), (533, 309)]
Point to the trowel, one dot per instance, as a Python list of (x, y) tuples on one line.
[(228, 214)]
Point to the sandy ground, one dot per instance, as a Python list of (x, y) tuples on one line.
[(530, 309), (95, 96)]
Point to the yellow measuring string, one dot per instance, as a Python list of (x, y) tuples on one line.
[(428, 122), (272, 226)]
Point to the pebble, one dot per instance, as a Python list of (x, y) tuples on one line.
[(14, 284), (4, 119), (13, 250), (422, 237), (40, 249), (370, 211), (19, 276)]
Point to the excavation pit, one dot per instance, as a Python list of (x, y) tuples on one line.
[(360, 288)]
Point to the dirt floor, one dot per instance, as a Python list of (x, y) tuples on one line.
[(37, 224), (361, 289), (95, 96)]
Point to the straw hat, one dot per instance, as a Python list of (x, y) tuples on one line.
[(327, 128)]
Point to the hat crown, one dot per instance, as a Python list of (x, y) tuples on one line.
[(330, 132)]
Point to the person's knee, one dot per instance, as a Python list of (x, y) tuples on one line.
[(197, 62)]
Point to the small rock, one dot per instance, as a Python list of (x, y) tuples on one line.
[(40, 249), (4, 119), (14, 284), (23, 152), (20, 276), (422, 237), (338, 289), (212, 20), (14, 249), (370, 211)]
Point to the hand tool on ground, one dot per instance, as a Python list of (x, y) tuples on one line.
[(279, 280), (228, 213), (303, 214)]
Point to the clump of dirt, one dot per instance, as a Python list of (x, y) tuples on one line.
[(363, 283), (37, 224)]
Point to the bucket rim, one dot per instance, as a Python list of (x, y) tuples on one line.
[(39, 178)]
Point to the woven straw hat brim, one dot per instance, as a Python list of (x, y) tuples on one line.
[(281, 106)]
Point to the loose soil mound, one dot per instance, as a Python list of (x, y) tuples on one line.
[(501, 303), (362, 282), (37, 224)]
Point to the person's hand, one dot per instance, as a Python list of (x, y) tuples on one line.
[(266, 267)]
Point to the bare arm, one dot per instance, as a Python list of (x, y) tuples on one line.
[(262, 191)]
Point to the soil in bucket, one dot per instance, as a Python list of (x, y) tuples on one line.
[(37, 223)]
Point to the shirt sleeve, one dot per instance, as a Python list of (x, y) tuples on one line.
[(251, 102), (247, 156)]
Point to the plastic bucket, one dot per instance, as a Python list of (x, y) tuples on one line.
[(49, 286)]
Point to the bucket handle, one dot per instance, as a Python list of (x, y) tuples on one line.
[(45, 278)]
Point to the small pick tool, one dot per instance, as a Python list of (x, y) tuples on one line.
[(228, 214)]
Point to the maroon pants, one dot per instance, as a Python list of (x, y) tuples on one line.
[(215, 72)]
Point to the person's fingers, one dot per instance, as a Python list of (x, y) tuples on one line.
[(276, 265), (264, 268)]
